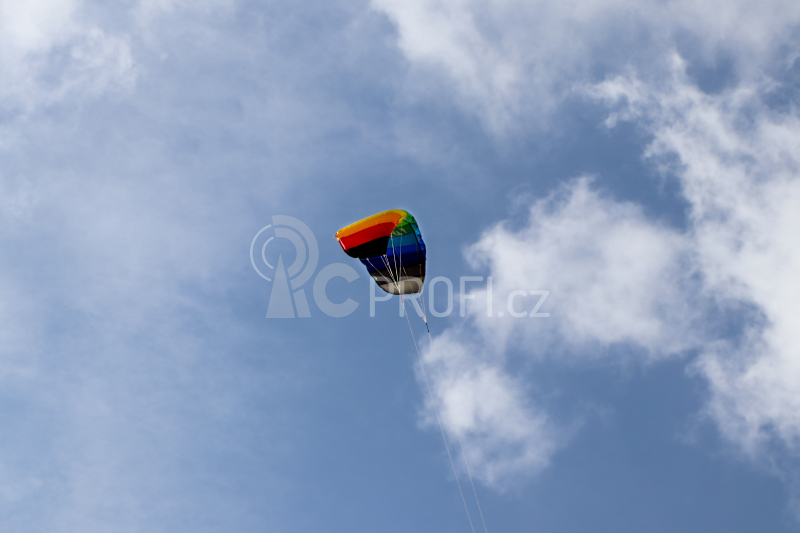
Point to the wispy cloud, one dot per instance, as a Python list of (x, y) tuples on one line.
[(615, 277), (738, 163), (511, 62), (128, 202), (50, 51), (505, 436)]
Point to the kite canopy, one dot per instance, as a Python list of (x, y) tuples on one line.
[(391, 247)]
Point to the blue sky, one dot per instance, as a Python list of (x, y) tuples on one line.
[(638, 160)]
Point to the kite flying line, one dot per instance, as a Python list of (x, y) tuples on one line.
[(455, 429), (433, 404)]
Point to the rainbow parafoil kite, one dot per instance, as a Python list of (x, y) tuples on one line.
[(391, 247)]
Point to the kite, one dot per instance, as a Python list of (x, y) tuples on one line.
[(390, 245)]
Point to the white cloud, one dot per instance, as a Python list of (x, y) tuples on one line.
[(613, 276), (616, 277), (505, 437), (739, 166), (49, 53), (35, 26), (511, 61), (116, 239), (62, 52)]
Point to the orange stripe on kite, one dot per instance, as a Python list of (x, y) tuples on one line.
[(393, 217)]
